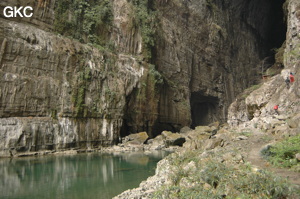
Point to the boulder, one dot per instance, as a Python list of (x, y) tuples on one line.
[(185, 129), (292, 123), (173, 139), (204, 129), (137, 138), (281, 130), (156, 143), (213, 143), (194, 140)]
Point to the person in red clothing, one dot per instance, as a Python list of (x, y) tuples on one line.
[(276, 109), (292, 78)]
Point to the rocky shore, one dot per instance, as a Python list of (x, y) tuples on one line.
[(205, 147)]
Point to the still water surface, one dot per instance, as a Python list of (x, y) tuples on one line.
[(80, 176)]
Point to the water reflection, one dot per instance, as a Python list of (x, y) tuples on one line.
[(77, 176)]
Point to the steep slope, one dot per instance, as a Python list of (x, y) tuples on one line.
[(259, 104)]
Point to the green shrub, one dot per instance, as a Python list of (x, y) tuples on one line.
[(86, 21), (215, 179), (283, 153), (145, 18)]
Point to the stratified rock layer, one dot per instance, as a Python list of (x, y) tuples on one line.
[(57, 93)]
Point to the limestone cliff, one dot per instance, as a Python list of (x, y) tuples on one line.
[(57, 92), (82, 74)]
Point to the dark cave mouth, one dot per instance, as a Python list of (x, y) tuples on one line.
[(275, 35), (203, 109), (278, 25)]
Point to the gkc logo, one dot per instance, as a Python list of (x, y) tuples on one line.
[(10, 11)]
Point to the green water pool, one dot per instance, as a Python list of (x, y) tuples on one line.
[(75, 176)]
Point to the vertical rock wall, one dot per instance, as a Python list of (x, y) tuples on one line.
[(208, 52), (292, 48), (57, 93)]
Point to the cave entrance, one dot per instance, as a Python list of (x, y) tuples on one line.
[(278, 26), (203, 109), (275, 34)]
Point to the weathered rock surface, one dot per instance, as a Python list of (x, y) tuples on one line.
[(57, 93)]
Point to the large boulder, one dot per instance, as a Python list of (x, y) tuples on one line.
[(156, 143), (136, 139), (185, 130), (173, 139), (194, 139)]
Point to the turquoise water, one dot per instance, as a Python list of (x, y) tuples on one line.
[(77, 176)]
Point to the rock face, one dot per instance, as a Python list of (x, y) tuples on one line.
[(258, 105), (57, 93), (209, 51)]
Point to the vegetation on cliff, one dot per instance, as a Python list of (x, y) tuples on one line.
[(86, 21), (78, 95), (145, 18)]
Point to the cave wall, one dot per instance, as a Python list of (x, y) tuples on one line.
[(212, 48)]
